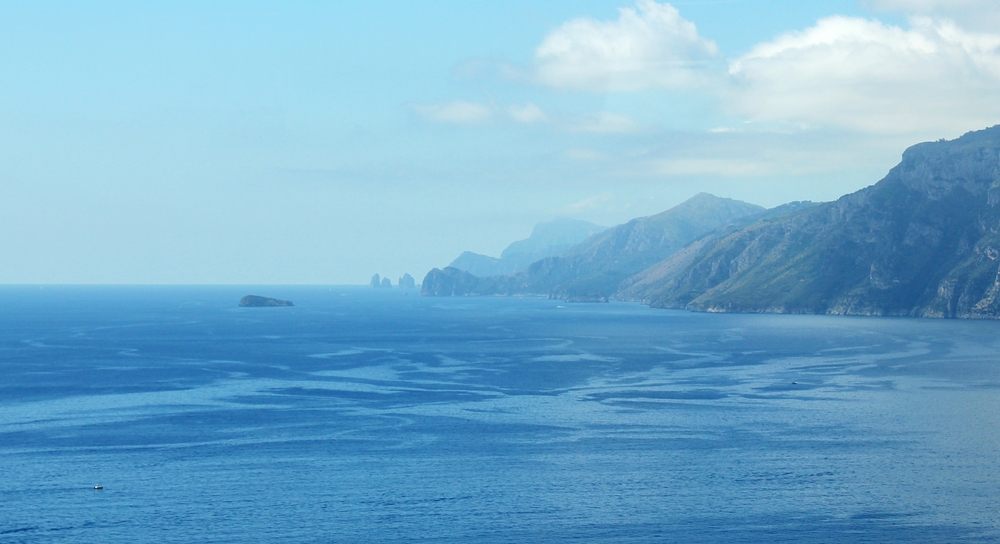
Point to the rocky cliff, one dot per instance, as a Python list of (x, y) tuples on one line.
[(923, 241), (452, 282)]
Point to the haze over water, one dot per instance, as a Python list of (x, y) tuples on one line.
[(366, 415)]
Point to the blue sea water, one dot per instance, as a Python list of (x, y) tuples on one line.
[(364, 415)]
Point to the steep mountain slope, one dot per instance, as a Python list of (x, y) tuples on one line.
[(594, 269), (924, 241), (547, 238), (635, 287), (481, 265), (550, 238)]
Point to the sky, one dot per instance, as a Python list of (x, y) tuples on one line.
[(322, 142)]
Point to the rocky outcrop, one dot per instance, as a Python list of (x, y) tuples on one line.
[(452, 282), (406, 282), (254, 301), (923, 241), (379, 282)]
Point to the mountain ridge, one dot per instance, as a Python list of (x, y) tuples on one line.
[(595, 268), (547, 238), (923, 241)]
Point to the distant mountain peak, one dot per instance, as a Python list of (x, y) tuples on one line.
[(595, 268), (547, 238), (923, 241)]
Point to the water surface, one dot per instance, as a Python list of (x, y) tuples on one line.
[(366, 415)]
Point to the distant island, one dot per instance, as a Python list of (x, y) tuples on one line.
[(254, 301), (405, 282), (923, 242), (380, 283)]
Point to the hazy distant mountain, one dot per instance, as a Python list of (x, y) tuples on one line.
[(481, 265), (595, 268), (548, 238), (452, 282), (923, 241), (639, 285)]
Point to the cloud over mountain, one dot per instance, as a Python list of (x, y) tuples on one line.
[(651, 46), (933, 76), (865, 75), (981, 15)]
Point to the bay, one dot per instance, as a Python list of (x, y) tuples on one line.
[(364, 415)]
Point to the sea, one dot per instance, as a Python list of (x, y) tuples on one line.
[(371, 415)]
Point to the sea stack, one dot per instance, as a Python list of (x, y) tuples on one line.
[(407, 282), (376, 281)]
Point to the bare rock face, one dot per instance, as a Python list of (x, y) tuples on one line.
[(386, 283), (254, 301), (923, 241), (376, 282), (452, 282)]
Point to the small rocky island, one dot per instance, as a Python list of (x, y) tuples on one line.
[(254, 301), (407, 282)]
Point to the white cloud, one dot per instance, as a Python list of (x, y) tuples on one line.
[(648, 47), (726, 130), (456, 111), (975, 14), (529, 113), (873, 77), (604, 123), (930, 78)]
